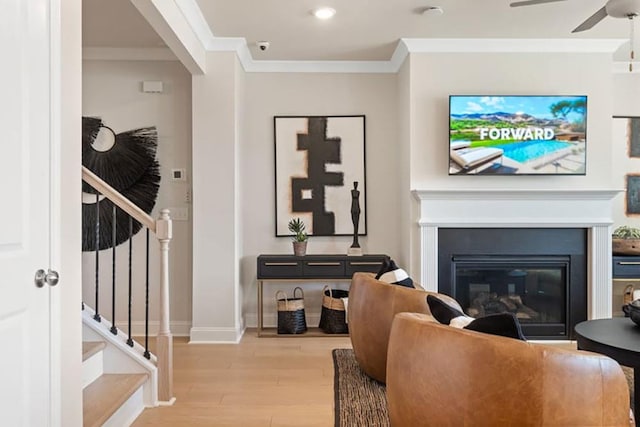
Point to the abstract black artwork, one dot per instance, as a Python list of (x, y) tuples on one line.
[(127, 162), (317, 159)]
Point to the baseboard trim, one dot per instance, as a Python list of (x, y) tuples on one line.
[(213, 335), (179, 328)]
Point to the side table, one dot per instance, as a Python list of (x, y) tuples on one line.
[(618, 338)]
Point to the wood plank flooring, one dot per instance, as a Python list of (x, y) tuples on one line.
[(266, 382)]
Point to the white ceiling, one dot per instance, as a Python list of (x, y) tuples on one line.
[(361, 29)]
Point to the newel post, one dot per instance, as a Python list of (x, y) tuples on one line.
[(165, 339)]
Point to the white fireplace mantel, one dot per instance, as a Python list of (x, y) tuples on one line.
[(525, 208)]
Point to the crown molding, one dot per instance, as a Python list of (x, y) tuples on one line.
[(407, 46), (399, 55), (393, 65), (171, 24), (512, 45), (196, 20), (250, 65), (128, 54)]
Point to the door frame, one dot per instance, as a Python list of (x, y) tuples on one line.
[(66, 188)]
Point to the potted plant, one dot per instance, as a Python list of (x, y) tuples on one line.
[(626, 241), (300, 238)]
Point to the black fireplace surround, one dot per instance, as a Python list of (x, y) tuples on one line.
[(539, 274)]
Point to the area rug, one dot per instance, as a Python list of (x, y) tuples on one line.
[(359, 400)]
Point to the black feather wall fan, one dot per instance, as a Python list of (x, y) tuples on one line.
[(127, 162)]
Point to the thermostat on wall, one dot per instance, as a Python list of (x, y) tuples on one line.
[(178, 175)]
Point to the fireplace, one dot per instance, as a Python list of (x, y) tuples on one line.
[(538, 274), (589, 210)]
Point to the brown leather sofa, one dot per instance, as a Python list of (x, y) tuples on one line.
[(438, 375), (372, 306)]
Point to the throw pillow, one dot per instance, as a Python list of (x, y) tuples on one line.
[(503, 324), (390, 273)]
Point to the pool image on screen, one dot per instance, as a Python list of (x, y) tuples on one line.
[(517, 135)]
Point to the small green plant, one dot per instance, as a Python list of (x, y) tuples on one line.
[(297, 226), (625, 232)]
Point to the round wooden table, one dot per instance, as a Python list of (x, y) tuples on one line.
[(618, 338)]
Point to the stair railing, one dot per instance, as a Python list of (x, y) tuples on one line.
[(162, 228)]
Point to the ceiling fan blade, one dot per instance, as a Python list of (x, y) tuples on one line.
[(532, 2), (592, 20)]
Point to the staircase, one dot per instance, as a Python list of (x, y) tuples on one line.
[(110, 399), (120, 376)]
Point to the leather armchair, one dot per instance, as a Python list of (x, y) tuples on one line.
[(442, 376), (372, 306)]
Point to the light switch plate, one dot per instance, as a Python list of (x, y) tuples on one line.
[(178, 174)]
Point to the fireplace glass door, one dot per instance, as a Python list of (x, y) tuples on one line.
[(534, 289)]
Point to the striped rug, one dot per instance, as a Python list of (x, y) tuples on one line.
[(359, 400)]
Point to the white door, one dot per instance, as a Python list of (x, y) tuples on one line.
[(25, 142)]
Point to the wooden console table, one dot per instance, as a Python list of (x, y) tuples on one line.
[(309, 268)]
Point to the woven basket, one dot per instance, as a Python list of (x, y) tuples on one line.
[(291, 316), (333, 318)]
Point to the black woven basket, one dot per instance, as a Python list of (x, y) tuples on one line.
[(333, 318), (291, 316)]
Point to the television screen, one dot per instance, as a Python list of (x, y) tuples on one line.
[(517, 135)]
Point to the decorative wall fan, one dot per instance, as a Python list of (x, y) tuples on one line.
[(614, 8), (127, 162)]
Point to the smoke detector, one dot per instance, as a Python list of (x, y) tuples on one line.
[(432, 10)]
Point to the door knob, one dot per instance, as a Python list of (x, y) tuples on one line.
[(49, 277)]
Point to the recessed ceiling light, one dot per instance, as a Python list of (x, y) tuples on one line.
[(324, 12)]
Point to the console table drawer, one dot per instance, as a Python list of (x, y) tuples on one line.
[(626, 266), (369, 265), (279, 268), (323, 268)]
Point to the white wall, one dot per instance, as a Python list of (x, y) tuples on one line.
[(271, 94), (435, 76), (626, 94), (112, 91), (406, 148), (216, 130), (405, 113)]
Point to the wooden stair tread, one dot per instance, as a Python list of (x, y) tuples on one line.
[(105, 395), (89, 348)]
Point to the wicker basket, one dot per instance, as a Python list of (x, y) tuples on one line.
[(291, 316), (333, 318), (625, 246)]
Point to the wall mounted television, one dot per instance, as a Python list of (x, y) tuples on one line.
[(517, 135)]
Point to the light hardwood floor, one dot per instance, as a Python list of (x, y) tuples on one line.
[(267, 382)]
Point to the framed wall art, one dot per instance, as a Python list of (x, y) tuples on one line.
[(632, 133), (317, 161), (633, 195)]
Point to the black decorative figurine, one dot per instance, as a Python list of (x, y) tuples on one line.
[(355, 218)]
